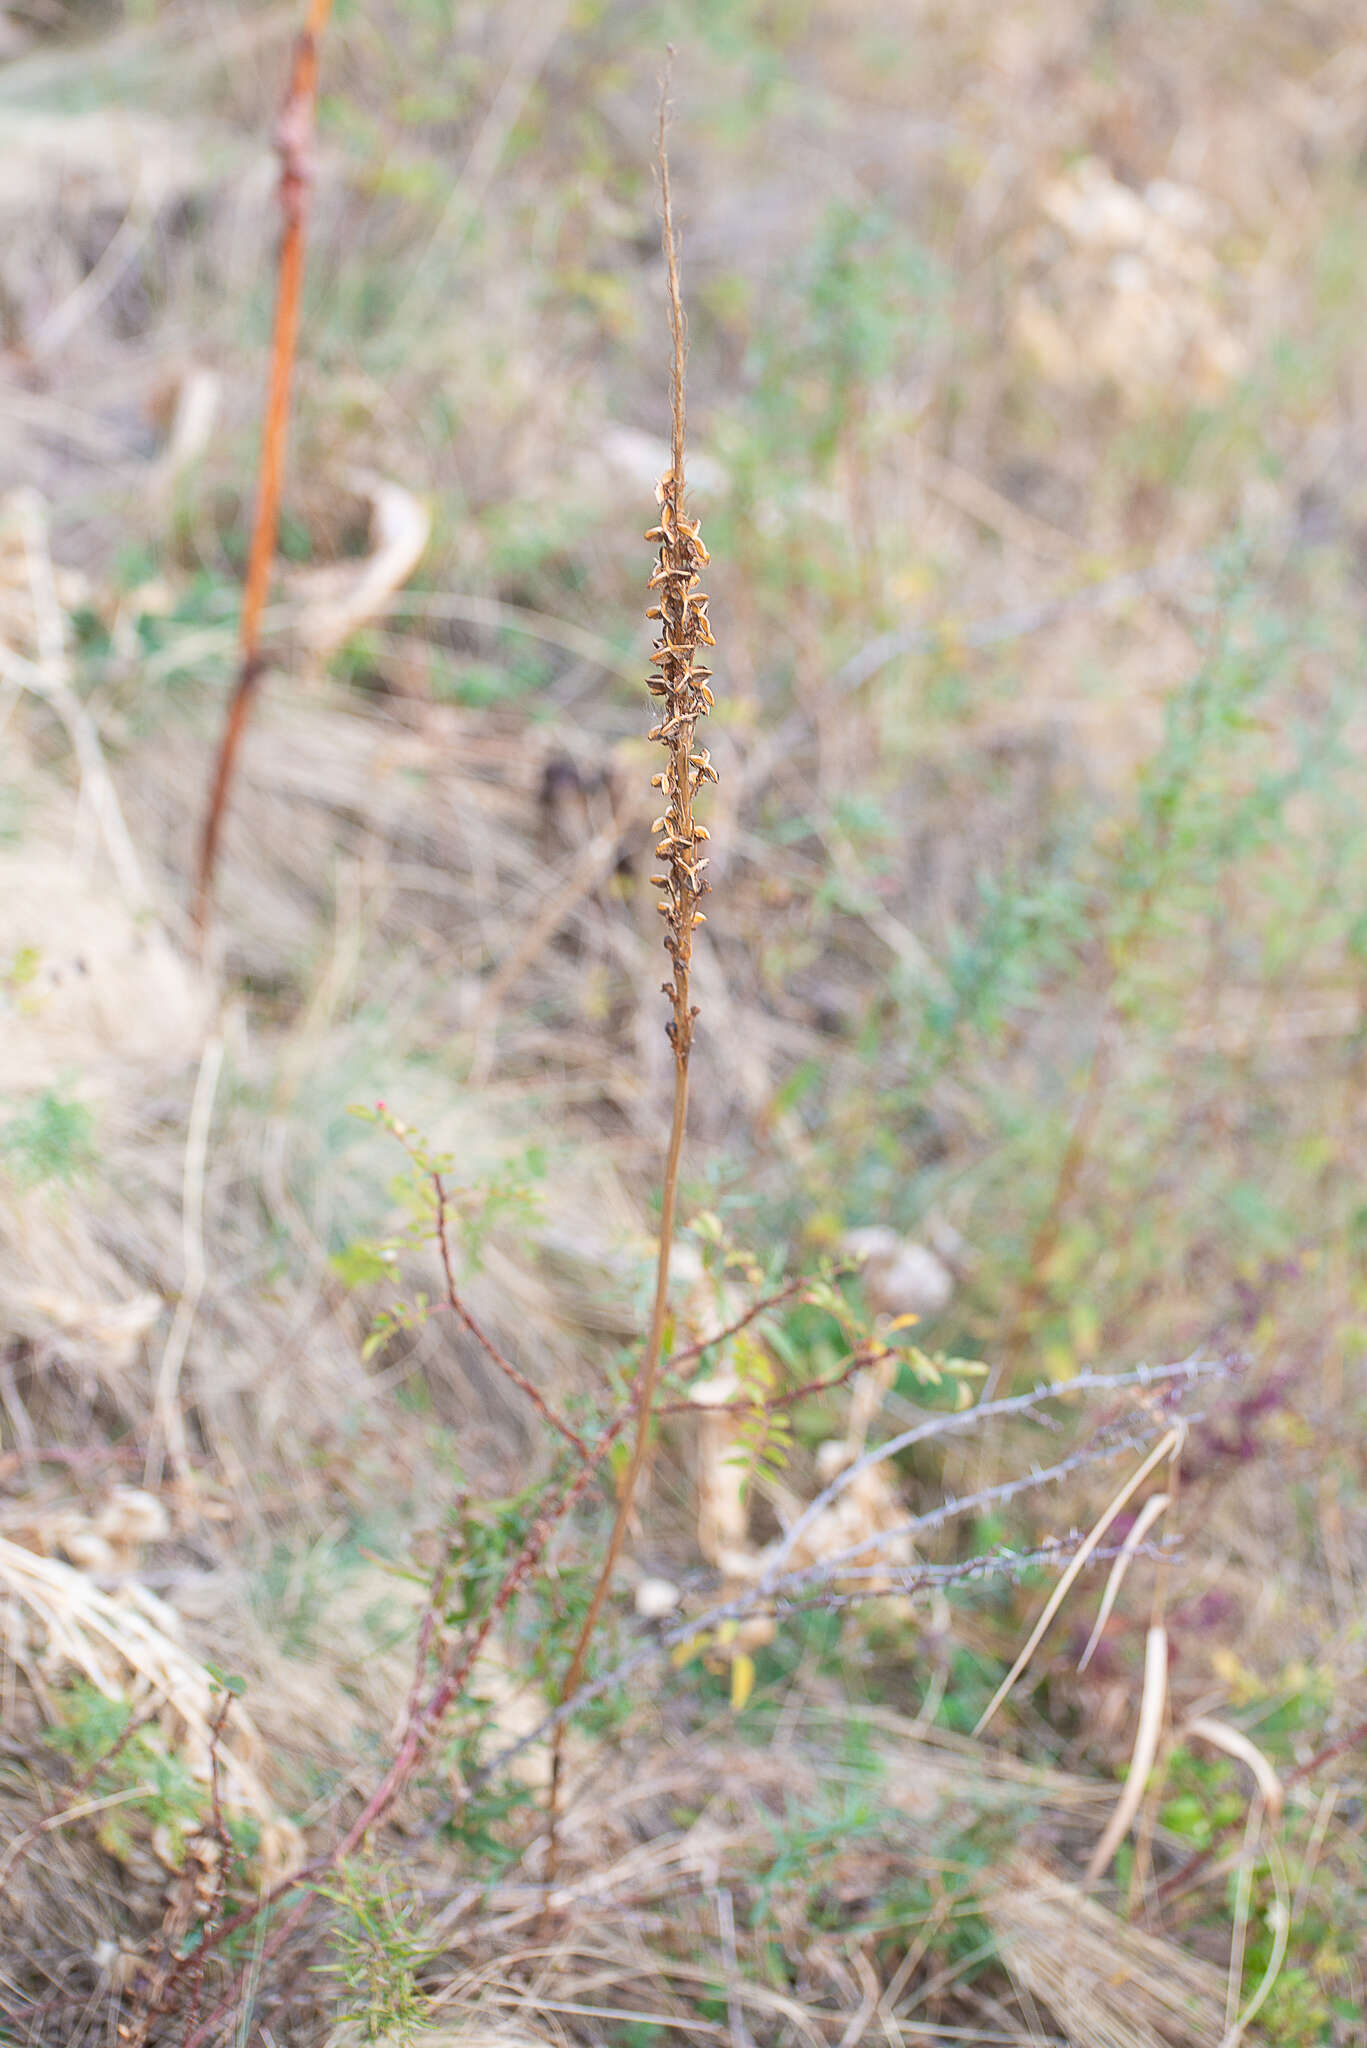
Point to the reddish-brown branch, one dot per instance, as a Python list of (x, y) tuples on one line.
[(223, 1868), (873, 1354), (421, 1723), (1352, 1740), (757, 1309), (294, 141), (486, 1343)]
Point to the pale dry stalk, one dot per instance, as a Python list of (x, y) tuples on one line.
[(683, 697)]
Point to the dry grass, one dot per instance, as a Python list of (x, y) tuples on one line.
[(1107, 1983), (960, 589)]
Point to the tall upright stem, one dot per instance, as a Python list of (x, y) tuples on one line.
[(646, 1384), (681, 688)]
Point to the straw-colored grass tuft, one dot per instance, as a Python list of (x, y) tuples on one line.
[(128, 1646), (1109, 1984)]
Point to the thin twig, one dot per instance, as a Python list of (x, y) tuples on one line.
[(742, 1322), (223, 1868), (1010, 1404), (455, 1303), (766, 1404), (486, 1343), (777, 1591), (846, 1563)]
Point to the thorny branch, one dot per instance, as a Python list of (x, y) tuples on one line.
[(777, 1584), (222, 1868), (766, 1404), (778, 1592), (1161, 1377), (422, 1722)]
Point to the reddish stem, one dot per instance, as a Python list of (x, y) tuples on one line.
[(294, 141), (486, 1344)]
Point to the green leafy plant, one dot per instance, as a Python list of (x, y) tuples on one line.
[(377, 1952), (51, 1139)]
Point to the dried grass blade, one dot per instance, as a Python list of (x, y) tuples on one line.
[(1235, 1743), (1151, 1705), (1164, 1448), (1144, 1521)]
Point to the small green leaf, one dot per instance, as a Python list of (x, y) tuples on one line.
[(363, 1264)]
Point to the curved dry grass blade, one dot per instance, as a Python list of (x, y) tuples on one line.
[(1151, 1705), (1164, 1448), (1144, 1521), (1235, 1743), (338, 601), (1279, 1919)]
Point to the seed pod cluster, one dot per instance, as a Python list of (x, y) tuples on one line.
[(681, 687)]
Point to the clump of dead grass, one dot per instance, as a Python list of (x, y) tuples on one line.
[(440, 905), (1110, 1983)]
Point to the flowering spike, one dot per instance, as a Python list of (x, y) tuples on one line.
[(681, 614)]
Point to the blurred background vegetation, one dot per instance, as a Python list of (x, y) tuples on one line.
[(1026, 418)]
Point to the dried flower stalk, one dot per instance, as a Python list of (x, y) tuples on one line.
[(682, 687), (681, 690)]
